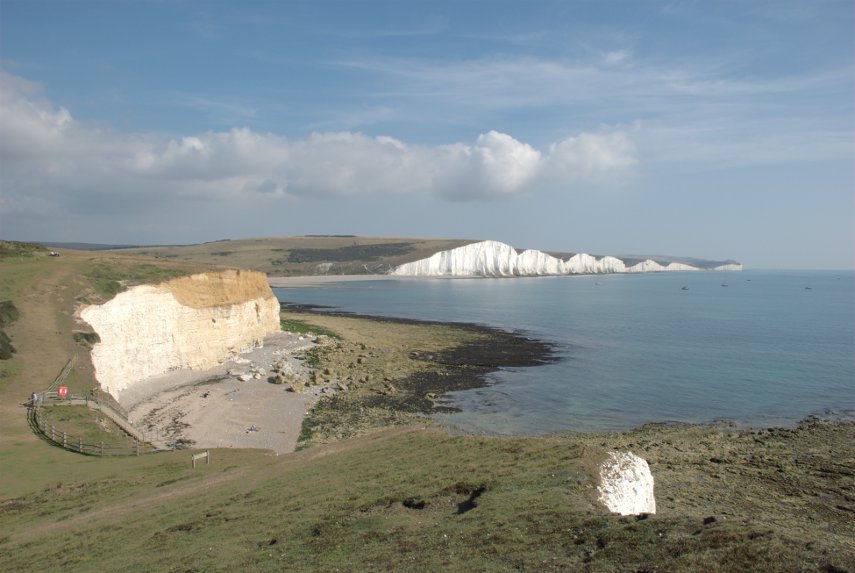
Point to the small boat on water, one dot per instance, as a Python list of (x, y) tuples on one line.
[(723, 284), (685, 288)]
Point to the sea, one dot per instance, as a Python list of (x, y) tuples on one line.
[(751, 348)]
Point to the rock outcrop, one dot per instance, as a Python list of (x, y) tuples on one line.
[(495, 259), (626, 484), (192, 322)]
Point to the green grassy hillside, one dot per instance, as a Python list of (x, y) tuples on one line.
[(406, 498)]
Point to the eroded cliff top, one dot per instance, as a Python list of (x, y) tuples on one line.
[(218, 288)]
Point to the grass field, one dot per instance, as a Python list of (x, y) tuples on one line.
[(315, 255), (405, 498)]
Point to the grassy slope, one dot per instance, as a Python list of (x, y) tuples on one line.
[(393, 500), (390, 500), (284, 256), (46, 290)]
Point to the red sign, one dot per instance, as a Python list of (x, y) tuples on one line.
[(62, 391)]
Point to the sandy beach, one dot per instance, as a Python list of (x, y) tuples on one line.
[(232, 405)]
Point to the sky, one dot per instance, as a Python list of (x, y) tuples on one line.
[(712, 129)]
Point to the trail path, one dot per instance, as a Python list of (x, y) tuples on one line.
[(236, 479), (43, 345)]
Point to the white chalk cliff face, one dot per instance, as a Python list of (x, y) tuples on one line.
[(626, 484), (495, 259), (192, 322)]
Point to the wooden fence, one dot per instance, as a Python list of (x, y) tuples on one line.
[(45, 426), (138, 441)]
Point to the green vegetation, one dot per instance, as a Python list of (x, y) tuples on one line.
[(424, 501), (323, 254), (86, 338), (302, 327), (349, 253), (80, 423), (404, 498), (10, 249), (6, 348), (8, 314), (107, 278)]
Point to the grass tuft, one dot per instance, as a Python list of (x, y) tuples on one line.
[(301, 327)]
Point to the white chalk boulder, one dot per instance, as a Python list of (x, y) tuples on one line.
[(626, 484)]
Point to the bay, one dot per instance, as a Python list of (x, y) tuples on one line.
[(757, 348)]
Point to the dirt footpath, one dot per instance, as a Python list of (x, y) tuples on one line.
[(230, 406)]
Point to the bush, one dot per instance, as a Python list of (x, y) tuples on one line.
[(6, 348), (9, 313)]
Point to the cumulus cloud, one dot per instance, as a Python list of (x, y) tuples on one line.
[(589, 153), (49, 157)]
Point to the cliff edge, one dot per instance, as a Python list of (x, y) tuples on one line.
[(192, 322)]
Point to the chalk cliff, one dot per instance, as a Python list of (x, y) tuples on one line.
[(192, 322), (495, 259)]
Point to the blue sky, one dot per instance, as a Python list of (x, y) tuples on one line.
[(709, 129)]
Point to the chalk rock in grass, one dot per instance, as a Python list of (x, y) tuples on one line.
[(626, 484)]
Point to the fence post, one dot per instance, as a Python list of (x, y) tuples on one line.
[(52, 433), (137, 446), (64, 440), (102, 448), (80, 444)]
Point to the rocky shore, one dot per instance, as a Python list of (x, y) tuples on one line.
[(392, 371)]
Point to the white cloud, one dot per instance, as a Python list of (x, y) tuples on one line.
[(615, 57), (47, 155), (590, 153)]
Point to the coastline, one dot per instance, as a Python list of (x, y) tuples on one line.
[(381, 372), (395, 371), (304, 281)]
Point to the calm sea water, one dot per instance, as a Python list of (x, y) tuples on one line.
[(763, 350)]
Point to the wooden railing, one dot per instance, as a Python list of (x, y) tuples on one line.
[(139, 441)]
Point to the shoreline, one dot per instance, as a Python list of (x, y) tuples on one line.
[(304, 281), (382, 372), (659, 398), (396, 371)]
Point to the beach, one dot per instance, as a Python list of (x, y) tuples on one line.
[(230, 406), (374, 372)]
